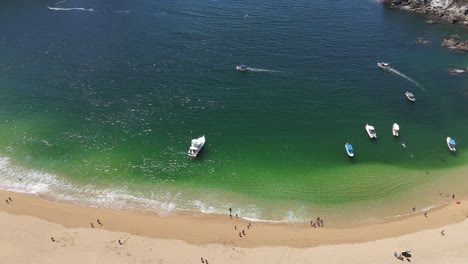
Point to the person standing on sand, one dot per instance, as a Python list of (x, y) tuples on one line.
[(414, 209), (453, 196), (9, 198), (230, 210), (52, 239), (425, 214), (92, 226), (235, 227), (237, 216), (202, 260), (243, 232), (6, 200), (443, 232)]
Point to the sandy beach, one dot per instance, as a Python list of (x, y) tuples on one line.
[(29, 222)]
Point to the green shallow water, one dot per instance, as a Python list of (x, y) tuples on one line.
[(98, 106)]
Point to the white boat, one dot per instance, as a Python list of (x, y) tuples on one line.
[(349, 149), (371, 131), (451, 144), (197, 145), (383, 65), (395, 129), (410, 96), (243, 67)]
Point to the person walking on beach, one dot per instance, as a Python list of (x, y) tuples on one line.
[(237, 216), (414, 208), (99, 222), (92, 226), (230, 210), (202, 260), (243, 232), (120, 242), (6, 200), (240, 234), (425, 214), (9, 198), (235, 227), (453, 196), (443, 232), (52, 239)]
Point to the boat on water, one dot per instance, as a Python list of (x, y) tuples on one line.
[(383, 65), (371, 131), (410, 96), (395, 129), (349, 149), (243, 67), (197, 145), (451, 144)]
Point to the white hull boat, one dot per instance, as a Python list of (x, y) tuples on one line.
[(395, 129), (383, 65), (410, 96), (197, 145), (349, 150), (371, 131), (451, 144), (243, 68)]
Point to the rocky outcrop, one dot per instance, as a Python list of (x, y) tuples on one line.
[(454, 42), (453, 11)]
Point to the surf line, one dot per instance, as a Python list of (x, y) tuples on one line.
[(407, 78)]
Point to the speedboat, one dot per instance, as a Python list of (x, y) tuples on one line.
[(197, 145), (395, 129), (410, 96), (349, 149), (243, 67), (383, 65), (451, 144), (371, 131)]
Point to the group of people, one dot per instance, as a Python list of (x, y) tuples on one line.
[(241, 233), (317, 223)]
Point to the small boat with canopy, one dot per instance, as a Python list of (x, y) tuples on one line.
[(451, 144), (197, 145), (349, 150)]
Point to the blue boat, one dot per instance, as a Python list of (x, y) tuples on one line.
[(451, 144), (349, 149)]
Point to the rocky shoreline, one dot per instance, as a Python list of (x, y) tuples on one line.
[(452, 11)]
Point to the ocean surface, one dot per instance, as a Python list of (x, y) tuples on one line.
[(99, 100)]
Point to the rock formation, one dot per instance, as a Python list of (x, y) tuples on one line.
[(454, 42), (453, 11)]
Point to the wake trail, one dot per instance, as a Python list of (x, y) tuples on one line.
[(408, 78), (71, 8), (262, 70)]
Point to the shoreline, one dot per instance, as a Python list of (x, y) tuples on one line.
[(202, 229)]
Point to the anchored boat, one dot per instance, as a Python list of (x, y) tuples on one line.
[(197, 145), (395, 129), (349, 149), (451, 144), (371, 131)]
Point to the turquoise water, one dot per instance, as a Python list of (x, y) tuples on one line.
[(100, 99)]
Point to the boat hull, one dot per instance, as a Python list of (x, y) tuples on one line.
[(450, 147), (197, 145), (395, 130), (368, 130), (350, 154), (243, 69)]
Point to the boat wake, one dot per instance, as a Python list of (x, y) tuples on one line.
[(262, 70), (407, 78), (70, 9)]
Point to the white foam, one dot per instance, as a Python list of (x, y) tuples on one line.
[(407, 78), (70, 9)]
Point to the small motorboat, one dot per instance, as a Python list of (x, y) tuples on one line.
[(383, 65), (395, 129), (349, 149), (451, 144), (410, 96), (371, 131), (197, 145), (243, 68)]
